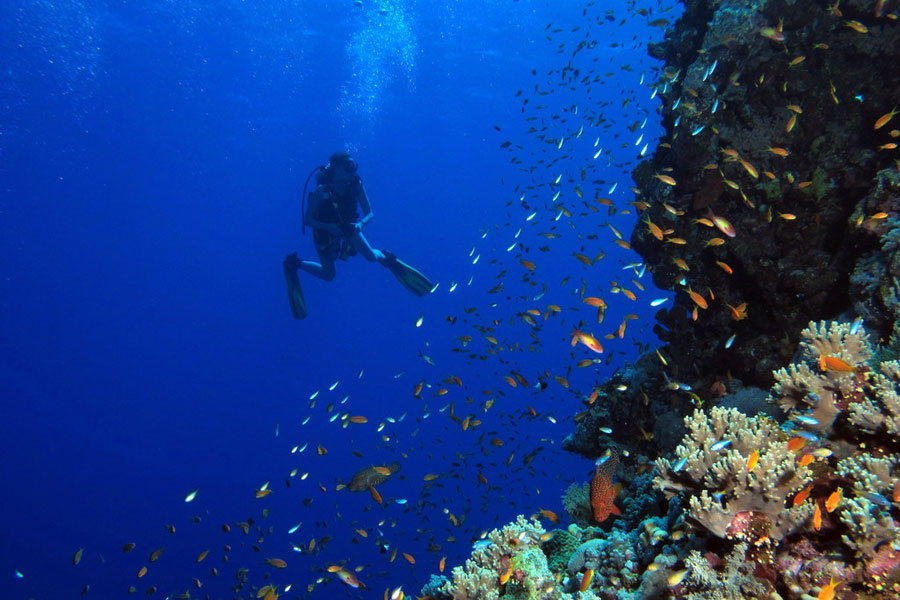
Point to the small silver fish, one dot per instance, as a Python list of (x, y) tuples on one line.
[(720, 445), (878, 499)]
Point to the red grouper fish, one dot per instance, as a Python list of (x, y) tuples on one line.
[(603, 490)]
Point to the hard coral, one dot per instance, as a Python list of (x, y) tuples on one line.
[(613, 558), (560, 547), (577, 503)]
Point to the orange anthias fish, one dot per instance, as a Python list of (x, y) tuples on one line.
[(587, 339), (827, 591), (603, 490), (721, 224), (833, 363)]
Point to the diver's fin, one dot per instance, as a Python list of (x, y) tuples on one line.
[(411, 278), (295, 292)]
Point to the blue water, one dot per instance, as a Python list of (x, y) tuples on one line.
[(151, 161)]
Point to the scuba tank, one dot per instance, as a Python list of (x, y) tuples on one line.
[(316, 171)]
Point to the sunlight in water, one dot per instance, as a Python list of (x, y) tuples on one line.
[(63, 49), (381, 54)]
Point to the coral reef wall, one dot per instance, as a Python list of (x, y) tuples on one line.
[(773, 200), (760, 444), (769, 109)]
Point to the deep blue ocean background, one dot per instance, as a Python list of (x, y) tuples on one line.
[(152, 156)]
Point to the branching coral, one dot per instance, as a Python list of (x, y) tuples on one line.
[(869, 526), (722, 489), (804, 387), (514, 556), (840, 385), (867, 516), (862, 405), (871, 475), (879, 411), (735, 581)]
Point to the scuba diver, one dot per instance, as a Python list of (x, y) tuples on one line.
[(333, 214)]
